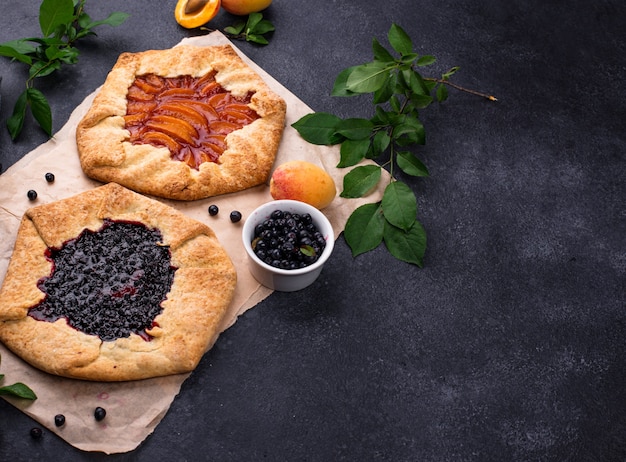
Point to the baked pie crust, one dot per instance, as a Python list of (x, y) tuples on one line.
[(107, 154), (201, 291)]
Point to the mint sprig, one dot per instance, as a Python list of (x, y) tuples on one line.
[(253, 29), (399, 91), (18, 389), (62, 24)]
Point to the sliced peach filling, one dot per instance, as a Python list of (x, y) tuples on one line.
[(190, 116)]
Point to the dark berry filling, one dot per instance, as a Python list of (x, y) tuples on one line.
[(108, 283), (288, 240)]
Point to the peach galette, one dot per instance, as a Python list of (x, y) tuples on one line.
[(184, 123)]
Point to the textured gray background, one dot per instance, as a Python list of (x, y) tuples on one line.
[(510, 343)]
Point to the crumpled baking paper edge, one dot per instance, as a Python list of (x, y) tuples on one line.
[(134, 409)]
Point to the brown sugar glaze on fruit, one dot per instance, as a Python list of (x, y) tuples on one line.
[(190, 116)]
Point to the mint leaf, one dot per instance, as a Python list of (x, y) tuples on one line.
[(19, 390)]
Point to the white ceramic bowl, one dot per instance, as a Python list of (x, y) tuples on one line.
[(286, 280)]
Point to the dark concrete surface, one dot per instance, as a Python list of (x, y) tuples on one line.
[(510, 344)]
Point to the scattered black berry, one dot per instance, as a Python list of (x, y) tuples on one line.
[(213, 210), (50, 177), (99, 413), (59, 420), (36, 432), (32, 194), (288, 240), (235, 216)]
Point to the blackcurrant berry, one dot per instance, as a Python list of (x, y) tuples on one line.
[(50, 177), (235, 216), (32, 194), (59, 420), (99, 413), (36, 432), (213, 210)]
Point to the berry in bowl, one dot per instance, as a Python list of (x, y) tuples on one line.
[(287, 243)]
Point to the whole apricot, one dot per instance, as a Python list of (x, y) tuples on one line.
[(245, 7), (303, 181)]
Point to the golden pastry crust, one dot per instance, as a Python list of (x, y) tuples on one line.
[(201, 291), (107, 155)]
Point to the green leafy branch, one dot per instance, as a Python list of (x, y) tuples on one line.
[(62, 23), (399, 92), (251, 30), (17, 389)]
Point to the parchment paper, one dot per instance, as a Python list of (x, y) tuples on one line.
[(135, 408)]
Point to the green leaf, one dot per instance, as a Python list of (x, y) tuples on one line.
[(253, 20), (408, 246), (381, 141), (380, 52), (369, 77), (355, 128), (409, 131), (42, 68), (360, 180), (410, 164), (399, 205), (236, 28), (400, 40), (54, 14), (19, 390), (319, 128), (16, 121), (257, 39), (340, 87), (442, 93), (426, 60), (41, 109), (352, 152), (264, 26), (114, 19), (19, 47), (384, 93), (447, 75), (364, 229), (421, 101)]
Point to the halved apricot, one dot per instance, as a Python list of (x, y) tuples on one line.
[(195, 13)]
